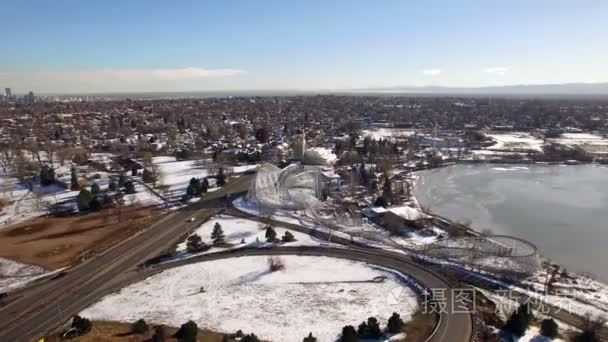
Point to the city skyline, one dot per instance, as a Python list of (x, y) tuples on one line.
[(236, 45)]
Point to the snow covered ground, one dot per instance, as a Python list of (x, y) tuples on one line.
[(580, 139), (387, 133), (312, 294), (533, 335), (363, 232), (515, 142), (320, 156), (176, 175), (589, 142), (237, 229), (25, 204), (14, 275)]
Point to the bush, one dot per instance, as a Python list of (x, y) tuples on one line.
[(194, 244), (160, 334), (140, 327), (288, 237), (3, 203), (250, 338), (81, 325), (275, 263), (187, 332)]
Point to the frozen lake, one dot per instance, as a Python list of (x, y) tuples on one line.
[(561, 209)]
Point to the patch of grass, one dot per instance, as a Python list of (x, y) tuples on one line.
[(420, 326), (55, 242)]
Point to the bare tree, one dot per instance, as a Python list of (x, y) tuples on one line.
[(51, 150), (7, 156), (34, 150)]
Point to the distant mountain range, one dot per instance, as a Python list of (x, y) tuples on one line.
[(585, 89), (539, 90)]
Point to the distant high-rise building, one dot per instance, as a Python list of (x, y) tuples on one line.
[(7, 92), (29, 98)]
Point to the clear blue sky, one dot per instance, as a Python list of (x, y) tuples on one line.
[(132, 45)]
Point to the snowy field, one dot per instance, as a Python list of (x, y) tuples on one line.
[(592, 143), (25, 204), (237, 229), (515, 142), (580, 139), (315, 294), (14, 275), (176, 175)]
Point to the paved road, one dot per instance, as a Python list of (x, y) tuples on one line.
[(40, 309)]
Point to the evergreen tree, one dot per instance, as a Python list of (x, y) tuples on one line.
[(187, 332), (148, 176), (381, 202), (193, 187), (129, 187), (374, 328), (83, 200), (204, 185), (519, 320), (122, 179), (271, 234), (95, 189), (221, 178), (310, 338), (586, 336), (387, 189), (395, 324), (74, 186), (288, 237), (47, 175), (549, 328), (112, 186), (349, 334), (217, 235), (362, 330)]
